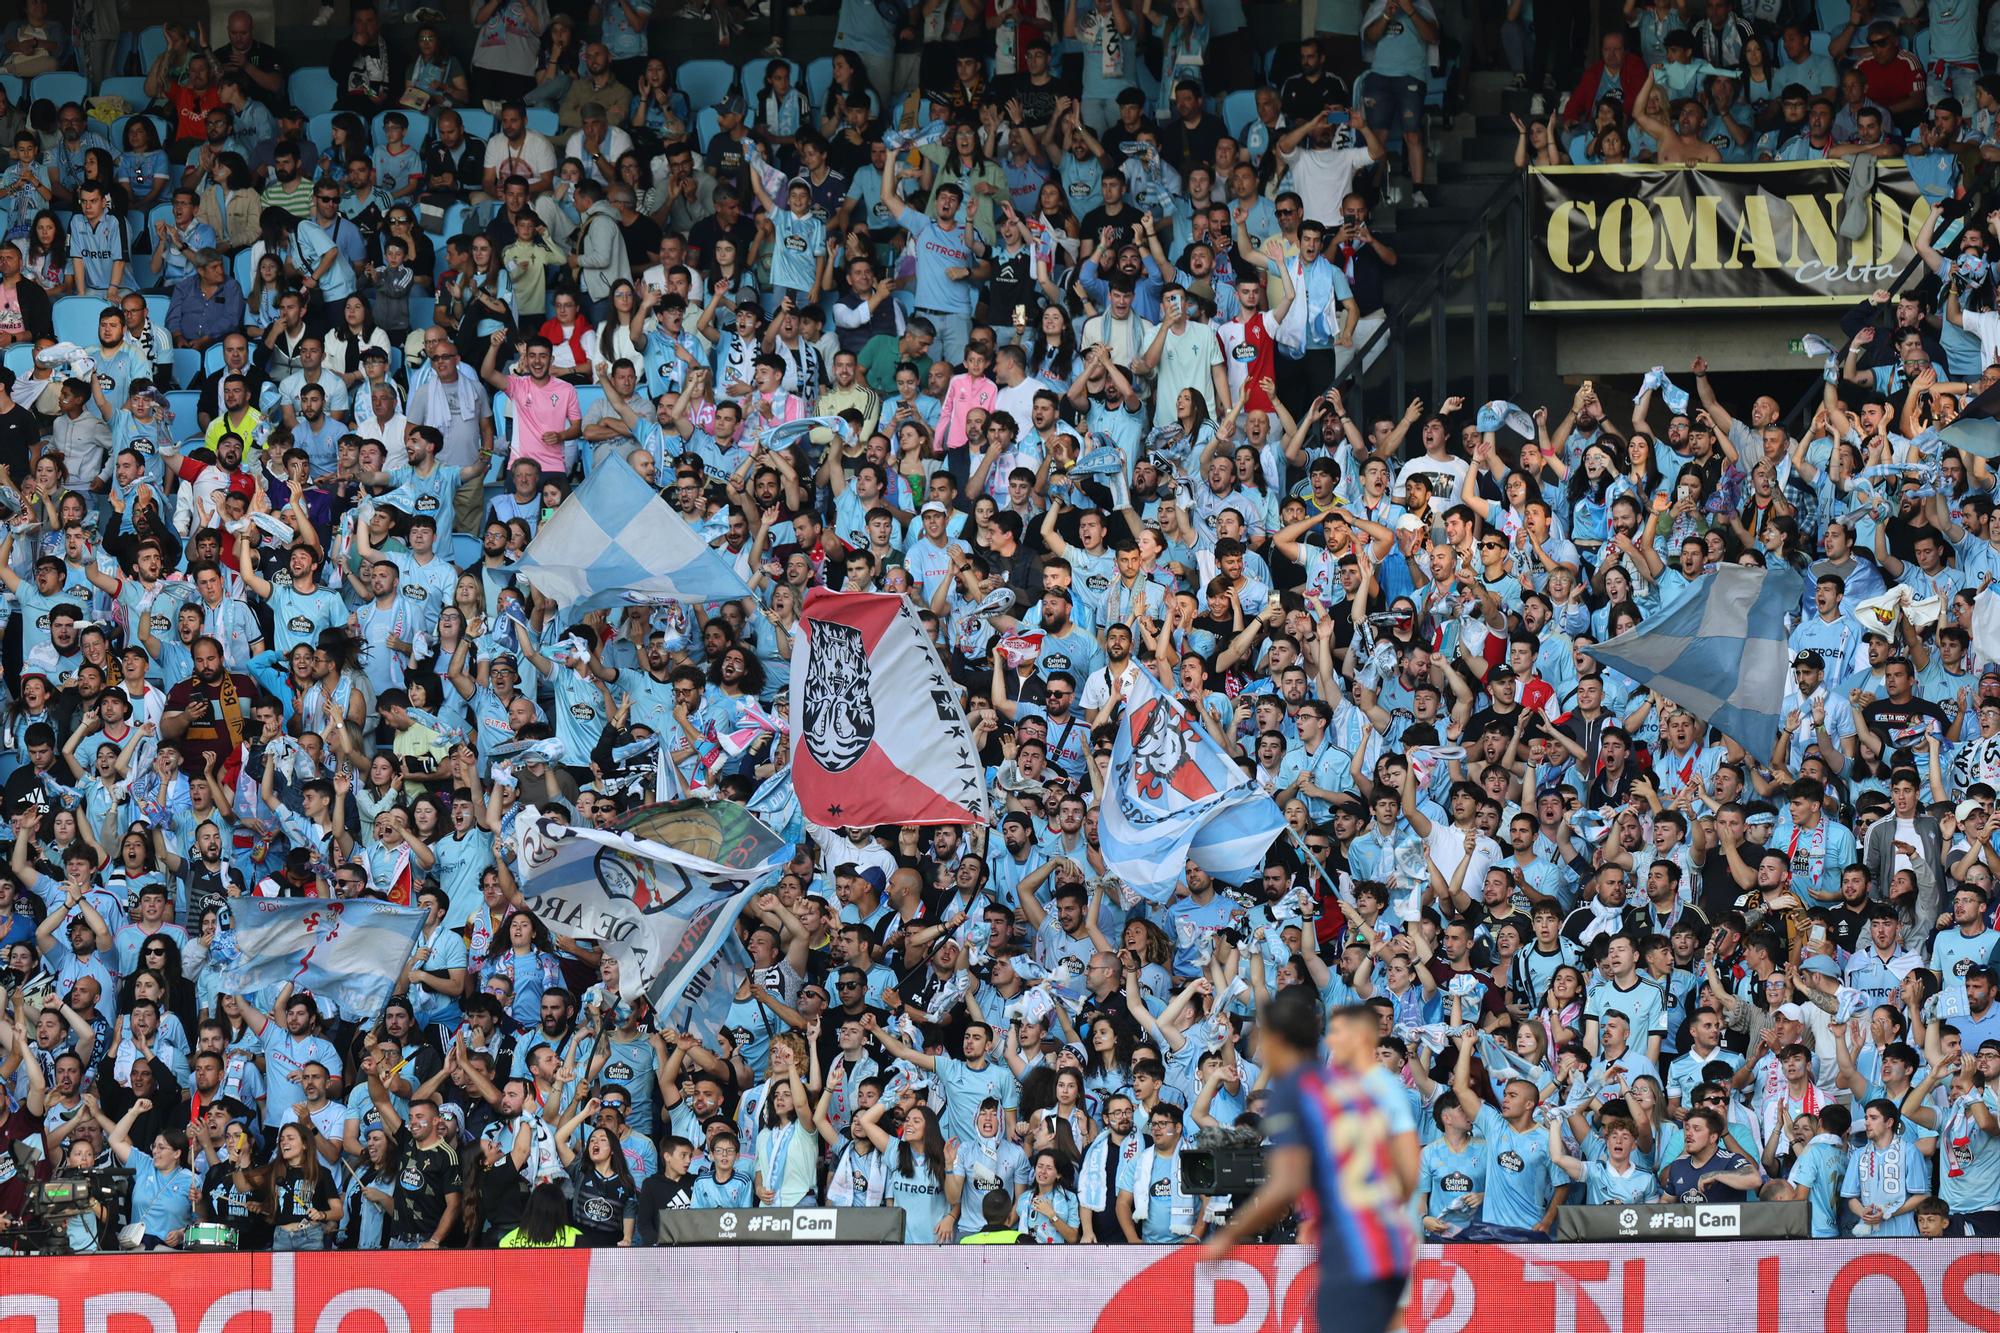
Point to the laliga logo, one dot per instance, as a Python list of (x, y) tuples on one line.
[(1628, 1218), (728, 1224)]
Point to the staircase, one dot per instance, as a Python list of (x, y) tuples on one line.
[(1456, 295)]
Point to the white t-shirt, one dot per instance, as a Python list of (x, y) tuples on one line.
[(1323, 176), (535, 157)]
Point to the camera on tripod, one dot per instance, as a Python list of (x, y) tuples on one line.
[(1224, 1161), (71, 1195)]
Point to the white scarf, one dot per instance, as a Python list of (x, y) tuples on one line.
[(872, 1172), (1604, 920), (1091, 1188), (1182, 1218)]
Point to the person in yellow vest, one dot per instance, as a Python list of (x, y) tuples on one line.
[(998, 1210)]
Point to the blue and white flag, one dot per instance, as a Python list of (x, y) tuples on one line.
[(1719, 651), (1174, 797), (662, 912), (350, 951), (615, 537)]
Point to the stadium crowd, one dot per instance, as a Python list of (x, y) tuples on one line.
[(1577, 945)]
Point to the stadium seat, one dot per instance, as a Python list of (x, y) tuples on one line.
[(75, 319), (312, 90), (156, 308), (12, 83), (707, 124), (1821, 42), (478, 122), (415, 136), (129, 87), (454, 222), (211, 360), (184, 404), (187, 365), (542, 120), (61, 86), (706, 82), (423, 310), (466, 550), (319, 129), (152, 44), (1920, 46), (20, 358), (819, 77), (243, 270), (1238, 109)]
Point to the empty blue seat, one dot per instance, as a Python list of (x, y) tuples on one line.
[(60, 86), (706, 82), (312, 90), (75, 319)]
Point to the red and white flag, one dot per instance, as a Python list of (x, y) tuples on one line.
[(878, 736)]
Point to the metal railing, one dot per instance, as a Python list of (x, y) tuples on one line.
[(1415, 341)]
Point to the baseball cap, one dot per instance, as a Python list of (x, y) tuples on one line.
[(1965, 808), (873, 877), (933, 507), (1792, 1011), (1822, 965), (732, 106), (1807, 657), (1061, 592)]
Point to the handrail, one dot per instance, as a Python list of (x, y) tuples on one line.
[(1508, 205)]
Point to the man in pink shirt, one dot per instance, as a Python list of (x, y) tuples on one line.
[(766, 404), (968, 389), (546, 415)]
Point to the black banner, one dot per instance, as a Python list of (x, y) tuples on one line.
[(781, 1226), (1686, 1221), (1766, 234)]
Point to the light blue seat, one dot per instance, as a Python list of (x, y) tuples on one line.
[(19, 358), (478, 122), (187, 365), (542, 120), (152, 45), (819, 77), (128, 86), (211, 360), (59, 86), (706, 82), (75, 319), (313, 90)]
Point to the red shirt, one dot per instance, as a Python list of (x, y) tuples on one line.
[(1894, 80), (1256, 352), (191, 110)]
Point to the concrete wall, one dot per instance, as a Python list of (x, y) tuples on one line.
[(1587, 345)]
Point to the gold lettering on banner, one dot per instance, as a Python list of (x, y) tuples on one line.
[(1559, 224), (1679, 232), (1728, 224)]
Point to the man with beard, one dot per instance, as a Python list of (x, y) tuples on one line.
[(207, 714)]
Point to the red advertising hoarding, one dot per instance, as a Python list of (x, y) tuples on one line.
[(1744, 1287)]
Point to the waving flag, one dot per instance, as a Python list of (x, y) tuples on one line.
[(616, 537), (1174, 796), (878, 735), (1719, 652), (662, 911), (788, 433), (349, 950), (752, 721)]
